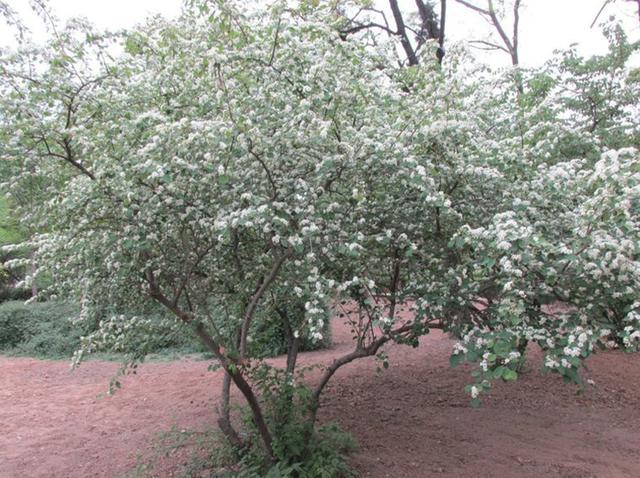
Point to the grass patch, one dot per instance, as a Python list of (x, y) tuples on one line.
[(189, 454)]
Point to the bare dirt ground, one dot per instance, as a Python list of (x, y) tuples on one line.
[(412, 420)]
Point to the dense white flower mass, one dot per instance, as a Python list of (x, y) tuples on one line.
[(231, 167)]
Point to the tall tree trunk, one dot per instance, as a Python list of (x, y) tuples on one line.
[(224, 415), (443, 16), (402, 33)]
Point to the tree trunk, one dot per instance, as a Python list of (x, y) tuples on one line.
[(34, 286), (224, 418), (231, 367), (443, 16)]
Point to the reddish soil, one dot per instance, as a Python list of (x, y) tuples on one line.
[(412, 420)]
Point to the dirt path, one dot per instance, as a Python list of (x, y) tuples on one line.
[(412, 420)]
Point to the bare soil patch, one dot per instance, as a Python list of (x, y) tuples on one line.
[(412, 420)]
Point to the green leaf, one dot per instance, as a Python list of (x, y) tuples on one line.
[(489, 262), (502, 348), (456, 359), (499, 371), (131, 46)]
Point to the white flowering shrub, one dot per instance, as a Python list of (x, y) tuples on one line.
[(234, 168)]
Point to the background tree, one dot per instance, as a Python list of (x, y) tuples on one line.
[(412, 35), (606, 3), (507, 43)]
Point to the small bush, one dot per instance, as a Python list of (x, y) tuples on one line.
[(10, 293), (300, 449), (270, 338)]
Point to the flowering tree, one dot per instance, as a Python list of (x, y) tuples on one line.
[(230, 167)]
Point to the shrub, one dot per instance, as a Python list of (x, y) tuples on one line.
[(10, 293), (288, 169), (40, 329), (47, 330), (270, 339)]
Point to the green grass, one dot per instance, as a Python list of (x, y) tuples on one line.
[(207, 454)]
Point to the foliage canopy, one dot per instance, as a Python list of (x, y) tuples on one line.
[(234, 167)]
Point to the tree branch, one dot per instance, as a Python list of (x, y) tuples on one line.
[(362, 352), (258, 158), (500, 30), (67, 157), (474, 7), (402, 33), (604, 5), (516, 24), (231, 367), (275, 43), (363, 26), (251, 308), (443, 16), (488, 45), (293, 342)]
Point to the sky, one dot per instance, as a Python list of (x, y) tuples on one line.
[(546, 25)]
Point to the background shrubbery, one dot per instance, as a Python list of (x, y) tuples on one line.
[(40, 329), (47, 330), (270, 339), (9, 234)]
